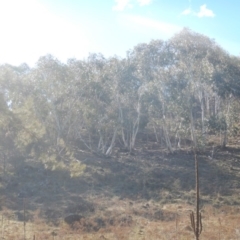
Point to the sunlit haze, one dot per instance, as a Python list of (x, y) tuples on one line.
[(73, 29)]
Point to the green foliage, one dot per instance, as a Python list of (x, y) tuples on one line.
[(227, 77), (29, 129), (216, 123), (178, 86), (61, 158)]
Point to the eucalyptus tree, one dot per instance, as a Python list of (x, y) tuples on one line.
[(40, 104), (226, 80), (16, 92), (129, 89), (193, 53), (160, 63), (97, 123), (158, 70), (5, 126), (20, 128), (51, 87)]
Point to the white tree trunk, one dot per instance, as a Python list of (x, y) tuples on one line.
[(110, 148)]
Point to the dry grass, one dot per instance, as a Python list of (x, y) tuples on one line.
[(147, 195), (219, 224)]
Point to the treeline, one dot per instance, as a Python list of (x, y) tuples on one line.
[(183, 88)]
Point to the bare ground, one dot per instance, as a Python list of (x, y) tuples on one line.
[(148, 193)]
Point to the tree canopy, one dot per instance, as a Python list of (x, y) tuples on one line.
[(184, 88)]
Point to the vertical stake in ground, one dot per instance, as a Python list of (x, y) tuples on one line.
[(196, 225), (24, 219), (2, 228)]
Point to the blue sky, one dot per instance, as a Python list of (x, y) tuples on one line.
[(74, 28)]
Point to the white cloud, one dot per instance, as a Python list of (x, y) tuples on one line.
[(121, 5), (29, 30), (187, 11), (204, 12), (144, 2)]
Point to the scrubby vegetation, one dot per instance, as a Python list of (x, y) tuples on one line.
[(103, 148)]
